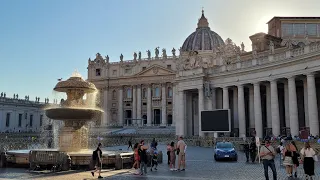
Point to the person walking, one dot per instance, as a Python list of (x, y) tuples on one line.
[(136, 164), (307, 156), (96, 161), (288, 159), (267, 154), (246, 147), (181, 145), (253, 150), (143, 157), (295, 157), (154, 160), (172, 150), (280, 149), (130, 144), (168, 153)]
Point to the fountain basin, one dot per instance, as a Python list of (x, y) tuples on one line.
[(72, 113)]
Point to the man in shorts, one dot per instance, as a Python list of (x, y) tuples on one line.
[(181, 146)]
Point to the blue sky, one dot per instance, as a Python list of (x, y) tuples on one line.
[(42, 40)]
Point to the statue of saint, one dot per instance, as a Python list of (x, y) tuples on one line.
[(157, 52), (271, 48), (139, 55), (107, 59), (149, 54), (164, 53), (254, 51), (1, 94), (134, 56), (173, 52), (121, 57), (4, 94), (17, 96), (89, 60), (242, 47), (14, 96)]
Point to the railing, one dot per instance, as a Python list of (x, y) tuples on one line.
[(144, 59)]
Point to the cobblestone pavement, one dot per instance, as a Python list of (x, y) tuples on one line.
[(200, 166)]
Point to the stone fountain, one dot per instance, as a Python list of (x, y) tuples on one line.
[(75, 112), (73, 149)]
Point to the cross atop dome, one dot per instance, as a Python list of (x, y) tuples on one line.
[(203, 22)]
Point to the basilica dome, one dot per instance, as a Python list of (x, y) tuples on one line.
[(203, 38)]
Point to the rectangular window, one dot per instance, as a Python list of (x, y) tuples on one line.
[(98, 72), (41, 117), (127, 71), (299, 29), (312, 29), (287, 29), (8, 120), (31, 120), (20, 120), (144, 68), (169, 66), (114, 72)]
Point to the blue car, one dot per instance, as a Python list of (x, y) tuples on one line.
[(225, 150)]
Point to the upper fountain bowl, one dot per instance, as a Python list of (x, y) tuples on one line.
[(75, 83)]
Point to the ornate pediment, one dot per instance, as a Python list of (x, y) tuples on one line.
[(155, 70)]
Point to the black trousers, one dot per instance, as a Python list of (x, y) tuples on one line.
[(154, 163), (168, 154)]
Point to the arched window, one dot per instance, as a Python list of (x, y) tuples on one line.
[(157, 92), (129, 94), (144, 93), (169, 92), (114, 94)]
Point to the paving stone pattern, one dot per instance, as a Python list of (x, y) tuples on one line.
[(200, 166)]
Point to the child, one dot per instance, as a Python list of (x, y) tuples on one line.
[(154, 160)]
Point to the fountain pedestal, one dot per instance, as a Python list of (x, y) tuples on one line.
[(73, 136)]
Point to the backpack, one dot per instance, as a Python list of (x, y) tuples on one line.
[(95, 155), (278, 150)]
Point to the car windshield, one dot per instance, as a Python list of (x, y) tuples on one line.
[(224, 145)]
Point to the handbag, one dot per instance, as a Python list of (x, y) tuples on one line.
[(315, 158)]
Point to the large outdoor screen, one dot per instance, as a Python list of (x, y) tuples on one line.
[(216, 121)]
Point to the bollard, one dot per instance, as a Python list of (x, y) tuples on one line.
[(118, 163), (3, 160)]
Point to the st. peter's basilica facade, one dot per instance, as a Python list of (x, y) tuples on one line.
[(273, 89)]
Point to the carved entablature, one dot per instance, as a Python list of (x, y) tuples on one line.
[(98, 61)]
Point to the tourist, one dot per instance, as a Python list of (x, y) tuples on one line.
[(267, 154), (172, 150), (168, 153), (295, 157), (307, 157), (97, 160), (136, 163), (143, 157), (288, 159), (246, 146), (253, 150), (130, 144), (154, 160), (154, 144), (280, 149), (181, 154)]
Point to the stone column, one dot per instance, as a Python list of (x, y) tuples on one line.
[(213, 98), (235, 108), (174, 109), (134, 103), (241, 111), (275, 115), (305, 98), (312, 105), (251, 108), (139, 103), (225, 98), (293, 107), (120, 110), (201, 108), (257, 110), (181, 114), (149, 106), (105, 117), (164, 106), (268, 108), (286, 104)]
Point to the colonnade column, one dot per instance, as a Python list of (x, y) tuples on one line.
[(180, 126), (149, 106), (251, 107), (201, 108), (120, 107), (174, 109), (213, 98), (275, 114), (241, 111), (134, 103), (105, 117), (286, 104), (293, 107), (235, 108), (305, 99), (139, 103), (257, 110), (225, 98), (312, 105), (163, 106)]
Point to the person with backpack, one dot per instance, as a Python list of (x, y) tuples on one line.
[(96, 161), (267, 154), (143, 157)]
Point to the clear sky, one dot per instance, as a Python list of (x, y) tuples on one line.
[(42, 40)]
